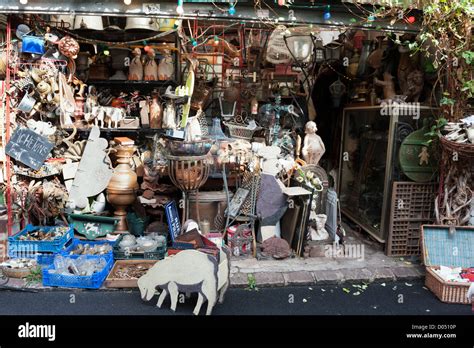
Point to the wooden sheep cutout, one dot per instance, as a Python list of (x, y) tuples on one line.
[(188, 271)]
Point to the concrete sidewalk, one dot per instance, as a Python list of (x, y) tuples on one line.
[(372, 266)]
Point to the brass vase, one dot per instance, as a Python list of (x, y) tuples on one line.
[(121, 190)]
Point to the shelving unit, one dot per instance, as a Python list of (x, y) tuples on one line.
[(127, 83)]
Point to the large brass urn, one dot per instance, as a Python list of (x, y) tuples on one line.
[(122, 187)]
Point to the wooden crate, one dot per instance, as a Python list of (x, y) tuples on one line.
[(412, 206), (113, 282), (453, 250)]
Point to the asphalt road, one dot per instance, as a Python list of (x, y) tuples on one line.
[(394, 298)]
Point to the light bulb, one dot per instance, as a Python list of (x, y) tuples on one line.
[(23, 2), (180, 8), (327, 13), (127, 2), (232, 10), (371, 18), (216, 40)]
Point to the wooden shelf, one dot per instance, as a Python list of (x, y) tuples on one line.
[(128, 83)]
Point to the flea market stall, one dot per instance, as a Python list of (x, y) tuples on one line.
[(136, 132)]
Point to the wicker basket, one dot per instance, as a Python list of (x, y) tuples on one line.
[(17, 272), (240, 131), (449, 292), (463, 150), (437, 247)]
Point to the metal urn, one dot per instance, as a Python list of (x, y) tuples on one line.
[(122, 187)]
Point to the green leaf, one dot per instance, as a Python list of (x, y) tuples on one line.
[(468, 57)]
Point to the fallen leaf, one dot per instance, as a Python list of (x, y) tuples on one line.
[(374, 307), (408, 262), (310, 288), (323, 290), (346, 290), (356, 293), (383, 284), (425, 288), (394, 288), (364, 287), (304, 300), (428, 310), (408, 284), (355, 286)]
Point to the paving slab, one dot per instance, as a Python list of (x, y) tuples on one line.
[(269, 279), (298, 277)]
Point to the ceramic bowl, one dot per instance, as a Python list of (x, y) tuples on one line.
[(189, 148), (147, 243)]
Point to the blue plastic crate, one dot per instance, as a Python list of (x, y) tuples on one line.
[(18, 247), (76, 242), (43, 259), (72, 281)]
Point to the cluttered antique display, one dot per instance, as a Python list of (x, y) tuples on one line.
[(149, 152)]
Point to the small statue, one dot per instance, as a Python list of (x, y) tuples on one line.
[(151, 68), (424, 156), (166, 67), (387, 84), (155, 113), (136, 66), (313, 147), (415, 82)]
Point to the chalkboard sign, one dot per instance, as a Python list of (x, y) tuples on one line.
[(174, 226), (28, 147)]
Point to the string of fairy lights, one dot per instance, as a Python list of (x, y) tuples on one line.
[(365, 15)]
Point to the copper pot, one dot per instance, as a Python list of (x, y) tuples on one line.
[(121, 190)]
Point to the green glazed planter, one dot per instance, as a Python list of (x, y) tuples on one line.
[(92, 226)]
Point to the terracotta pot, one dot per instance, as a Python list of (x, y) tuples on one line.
[(121, 190)]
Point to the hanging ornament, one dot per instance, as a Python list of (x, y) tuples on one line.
[(180, 8), (327, 13), (231, 9)]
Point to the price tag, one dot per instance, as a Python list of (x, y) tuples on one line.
[(150, 8), (263, 13)]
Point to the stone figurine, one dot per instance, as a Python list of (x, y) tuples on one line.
[(313, 147), (387, 84), (424, 156), (136, 65), (188, 271), (415, 82), (166, 67), (151, 68)]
